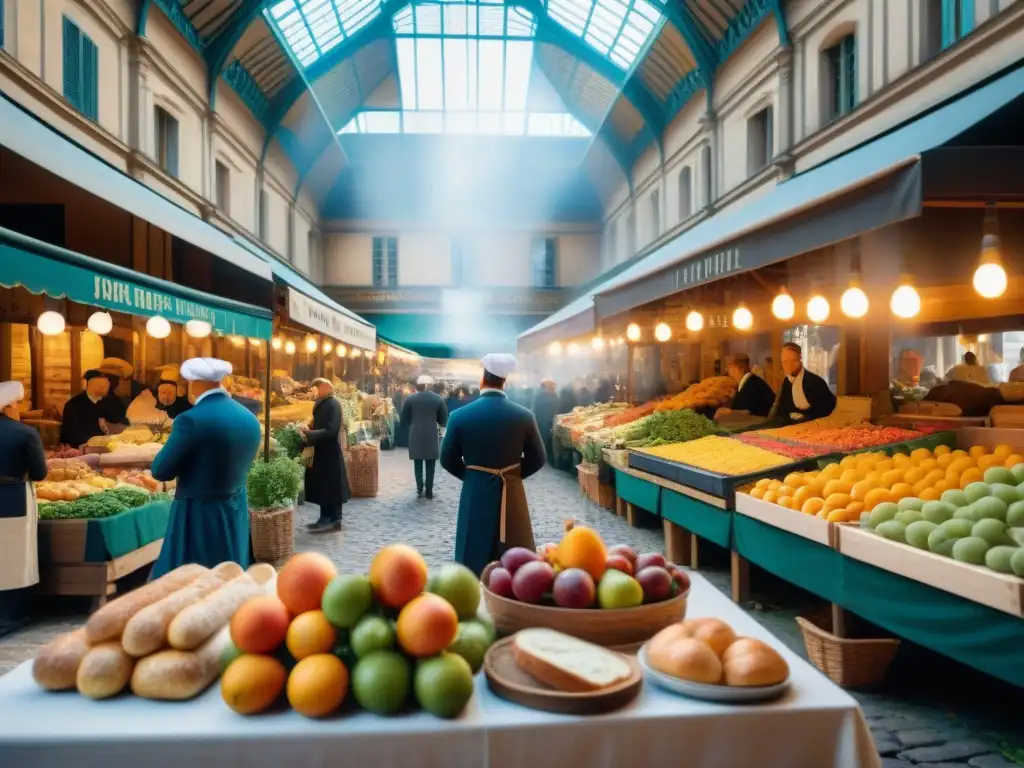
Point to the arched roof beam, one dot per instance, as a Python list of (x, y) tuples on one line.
[(142, 17), (779, 12)]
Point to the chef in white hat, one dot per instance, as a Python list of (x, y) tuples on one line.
[(424, 412), (492, 445), (22, 460), (209, 452)]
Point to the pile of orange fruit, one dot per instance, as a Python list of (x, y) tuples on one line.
[(842, 491)]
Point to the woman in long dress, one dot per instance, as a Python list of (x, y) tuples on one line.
[(22, 460)]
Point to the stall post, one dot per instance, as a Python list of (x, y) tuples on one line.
[(630, 374), (266, 405)]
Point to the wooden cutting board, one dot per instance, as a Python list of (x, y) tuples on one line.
[(509, 682)]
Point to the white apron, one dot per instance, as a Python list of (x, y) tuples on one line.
[(19, 548)]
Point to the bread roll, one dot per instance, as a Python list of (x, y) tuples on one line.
[(749, 662), (177, 675), (55, 667), (715, 632), (686, 658), (109, 621), (567, 663), (105, 671), (200, 621), (146, 631)]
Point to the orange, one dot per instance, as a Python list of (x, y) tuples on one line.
[(920, 486), (920, 454), (942, 486), (260, 624), (310, 633), (795, 480), (763, 482), (875, 497), (813, 506), (929, 494), (770, 496), (801, 495), (885, 465), (848, 462), (941, 450), (849, 476), (901, 461), (785, 490), (902, 491), (1002, 450), (893, 476), (944, 460), (874, 477), (991, 460), (583, 548), (836, 516), (853, 509), (252, 683), (860, 490), (302, 581), (972, 475), (837, 500), (977, 451), (953, 477), (775, 485), (317, 685), (817, 488), (837, 486), (397, 574), (929, 464), (427, 625), (823, 513), (1013, 460), (934, 476), (959, 453), (757, 492), (914, 476), (785, 501)]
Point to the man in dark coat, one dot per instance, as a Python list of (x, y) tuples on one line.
[(803, 396), (753, 395), (85, 414), (545, 408), (326, 479), (424, 411), (492, 445)]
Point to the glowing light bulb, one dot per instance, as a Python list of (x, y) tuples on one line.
[(783, 306), (574, 349), (554, 349), (905, 301), (255, 342), (356, 353), (158, 327), (237, 341), (597, 343), (51, 323), (311, 345), (742, 318), (100, 323), (633, 332), (198, 329), (328, 347), (341, 351), (276, 342), (990, 280), (662, 332), (694, 321), (289, 348), (854, 302), (818, 309)]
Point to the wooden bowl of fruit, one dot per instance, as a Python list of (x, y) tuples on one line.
[(613, 597)]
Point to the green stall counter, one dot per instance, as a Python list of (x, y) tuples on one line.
[(701, 519), (637, 491)]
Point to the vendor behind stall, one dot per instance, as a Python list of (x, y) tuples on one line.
[(168, 399), (85, 414), (753, 395), (123, 389), (804, 396)]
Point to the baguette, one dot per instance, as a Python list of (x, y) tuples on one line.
[(174, 675), (55, 667), (109, 621), (566, 663), (105, 671), (146, 631), (200, 621)]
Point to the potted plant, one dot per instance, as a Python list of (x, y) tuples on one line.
[(273, 487)]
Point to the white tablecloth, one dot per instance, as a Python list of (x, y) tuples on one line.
[(815, 725)]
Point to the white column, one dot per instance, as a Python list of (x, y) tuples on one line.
[(783, 160), (709, 185)]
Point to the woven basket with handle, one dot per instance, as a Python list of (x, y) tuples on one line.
[(589, 477), (273, 534), (848, 663), (363, 468)]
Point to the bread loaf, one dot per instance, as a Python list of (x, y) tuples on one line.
[(109, 621), (55, 667), (146, 631), (200, 621), (173, 675), (686, 658), (105, 671), (567, 663), (749, 662)]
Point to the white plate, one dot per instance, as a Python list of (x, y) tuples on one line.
[(721, 693)]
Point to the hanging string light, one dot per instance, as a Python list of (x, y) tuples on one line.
[(783, 306), (289, 347), (158, 327), (51, 323), (100, 323), (990, 279), (328, 347), (276, 342), (237, 341), (198, 329), (905, 302), (341, 351), (854, 302), (818, 309), (694, 321), (742, 318), (574, 349), (633, 332), (597, 343), (662, 332), (555, 348)]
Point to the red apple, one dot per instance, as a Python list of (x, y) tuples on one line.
[(681, 578), (626, 551), (500, 582), (620, 563), (656, 583), (532, 581), (574, 588), (516, 558), (647, 559)]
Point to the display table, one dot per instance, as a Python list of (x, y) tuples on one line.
[(814, 724)]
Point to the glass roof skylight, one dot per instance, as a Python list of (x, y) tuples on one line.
[(618, 29), (313, 27)]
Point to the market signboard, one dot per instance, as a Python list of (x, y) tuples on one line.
[(319, 317)]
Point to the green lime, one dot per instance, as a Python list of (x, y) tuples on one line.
[(444, 684), (346, 599), (471, 643), (459, 586), (372, 633), (381, 681)]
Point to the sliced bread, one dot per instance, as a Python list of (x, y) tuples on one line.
[(567, 663)]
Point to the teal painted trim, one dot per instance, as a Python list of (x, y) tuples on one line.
[(966, 17), (173, 11), (248, 90), (219, 48), (683, 92), (779, 11), (143, 17), (743, 23), (697, 38), (707, 522), (639, 493)]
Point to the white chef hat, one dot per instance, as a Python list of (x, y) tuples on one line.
[(424, 379), (499, 364), (11, 392), (205, 369)]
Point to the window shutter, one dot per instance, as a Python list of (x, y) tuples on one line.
[(72, 70), (171, 144), (90, 79), (851, 72), (966, 17), (392, 243)]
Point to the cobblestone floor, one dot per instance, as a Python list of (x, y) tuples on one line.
[(931, 713)]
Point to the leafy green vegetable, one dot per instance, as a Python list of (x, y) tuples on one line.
[(591, 452), (274, 484), (290, 440), (131, 497), (672, 427)]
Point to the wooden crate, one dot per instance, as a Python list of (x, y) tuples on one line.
[(789, 520), (1007, 417), (990, 437), (972, 582)]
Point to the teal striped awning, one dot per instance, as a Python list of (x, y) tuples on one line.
[(42, 268), (441, 335)]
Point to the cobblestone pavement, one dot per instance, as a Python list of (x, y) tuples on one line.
[(931, 713)]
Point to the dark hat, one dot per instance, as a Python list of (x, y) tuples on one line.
[(92, 373)]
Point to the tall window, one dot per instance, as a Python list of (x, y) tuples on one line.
[(458, 261), (81, 67), (931, 28), (222, 180), (957, 20), (544, 262), (759, 141), (631, 233), (655, 215), (841, 68), (705, 167), (685, 193), (166, 141), (385, 261), (261, 215)]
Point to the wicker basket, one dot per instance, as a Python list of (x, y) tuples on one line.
[(610, 628), (273, 534), (590, 482), (848, 663), (363, 468)]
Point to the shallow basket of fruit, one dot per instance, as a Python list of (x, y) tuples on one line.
[(610, 597)]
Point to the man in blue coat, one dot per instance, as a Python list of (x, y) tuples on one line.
[(492, 445), (210, 450)]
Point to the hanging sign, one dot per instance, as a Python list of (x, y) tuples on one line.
[(330, 322)]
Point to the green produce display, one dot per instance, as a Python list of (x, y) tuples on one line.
[(667, 427), (289, 439)]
